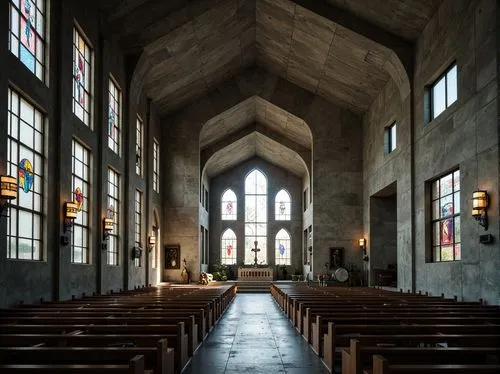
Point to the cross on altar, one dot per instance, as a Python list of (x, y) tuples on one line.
[(255, 250)]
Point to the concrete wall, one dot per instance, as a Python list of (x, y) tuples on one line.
[(277, 179), (464, 136), (56, 278), (337, 165)]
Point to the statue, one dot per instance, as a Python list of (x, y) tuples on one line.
[(185, 273)]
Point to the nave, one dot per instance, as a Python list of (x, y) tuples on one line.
[(254, 336)]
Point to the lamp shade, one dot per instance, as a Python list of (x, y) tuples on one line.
[(479, 200), (8, 187), (108, 224), (70, 210), (362, 243), (152, 240)]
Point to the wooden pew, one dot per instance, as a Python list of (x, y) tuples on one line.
[(159, 358), (134, 366), (358, 355), (339, 336), (382, 366), (174, 333)]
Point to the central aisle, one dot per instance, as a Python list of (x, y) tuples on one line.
[(254, 336)]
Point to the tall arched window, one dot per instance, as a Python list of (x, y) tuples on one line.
[(228, 205), (228, 247), (282, 248), (256, 217), (282, 206)]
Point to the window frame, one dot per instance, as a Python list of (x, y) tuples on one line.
[(139, 146), (227, 217), (228, 260), (88, 63), (37, 189), (431, 92), (277, 257), (287, 217), (138, 207), (114, 128), (435, 223), (113, 198), (263, 238), (40, 59), (156, 166), (84, 213), (390, 138)]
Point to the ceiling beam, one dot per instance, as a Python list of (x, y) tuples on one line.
[(402, 48)]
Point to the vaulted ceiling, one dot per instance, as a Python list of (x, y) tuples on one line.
[(341, 50)]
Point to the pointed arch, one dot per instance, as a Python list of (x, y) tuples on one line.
[(228, 247), (282, 206), (256, 216), (229, 205), (283, 245)]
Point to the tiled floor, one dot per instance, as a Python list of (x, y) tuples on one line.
[(254, 336)]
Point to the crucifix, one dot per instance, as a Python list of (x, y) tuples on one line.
[(255, 250)]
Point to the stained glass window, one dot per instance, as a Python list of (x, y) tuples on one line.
[(114, 117), (25, 161), (156, 166), (256, 217), (82, 77), (282, 206), (27, 34), (138, 225), (139, 145), (228, 247), (446, 217), (114, 211), (228, 205), (81, 193), (282, 248)]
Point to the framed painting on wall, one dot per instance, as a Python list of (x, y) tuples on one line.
[(172, 256)]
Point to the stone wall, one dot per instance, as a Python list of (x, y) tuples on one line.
[(56, 277), (277, 179), (337, 164), (464, 136)]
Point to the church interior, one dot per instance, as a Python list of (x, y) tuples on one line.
[(311, 150)]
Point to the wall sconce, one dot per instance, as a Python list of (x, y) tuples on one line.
[(8, 190), (480, 202), (152, 242), (362, 245), (70, 212), (107, 227)]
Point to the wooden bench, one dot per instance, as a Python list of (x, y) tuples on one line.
[(135, 366), (358, 356), (159, 358), (382, 366)]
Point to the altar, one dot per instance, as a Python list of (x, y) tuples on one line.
[(255, 274)]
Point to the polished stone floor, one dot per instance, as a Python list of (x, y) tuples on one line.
[(254, 336)]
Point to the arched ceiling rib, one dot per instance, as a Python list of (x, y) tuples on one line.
[(256, 109), (251, 145)]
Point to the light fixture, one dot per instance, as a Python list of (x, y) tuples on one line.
[(107, 227), (70, 212), (362, 243), (480, 202), (152, 242), (8, 190)]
